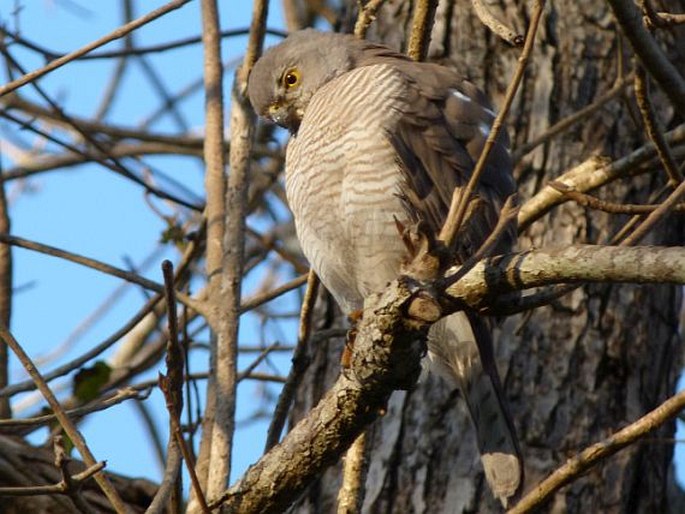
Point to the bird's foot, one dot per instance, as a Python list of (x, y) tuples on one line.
[(425, 254)]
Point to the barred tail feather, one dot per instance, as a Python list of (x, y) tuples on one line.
[(460, 349)]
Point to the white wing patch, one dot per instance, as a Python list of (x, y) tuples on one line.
[(461, 95)]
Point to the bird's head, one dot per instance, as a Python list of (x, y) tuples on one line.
[(286, 77)]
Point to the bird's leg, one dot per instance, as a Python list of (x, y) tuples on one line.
[(346, 359)]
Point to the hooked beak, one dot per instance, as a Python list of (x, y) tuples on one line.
[(282, 115), (278, 113)]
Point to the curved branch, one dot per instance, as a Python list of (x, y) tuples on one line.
[(579, 464), (651, 55)]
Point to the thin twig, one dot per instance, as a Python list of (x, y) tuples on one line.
[(70, 366), (655, 196), (367, 14), (497, 26), (112, 36), (596, 453), (72, 488), (591, 174), (66, 423), (160, 48), (172, 384), (262, 298), (114, 165), (5, 293), (98, 266), (59, 488), (652, 126), (618, 88), (300, 362), (605, 206), (116, 398), (656, 216), (462, 197)]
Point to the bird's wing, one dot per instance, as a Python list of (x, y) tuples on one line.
[(442, 129)]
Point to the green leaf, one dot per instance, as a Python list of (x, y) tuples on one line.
[(89, 381)]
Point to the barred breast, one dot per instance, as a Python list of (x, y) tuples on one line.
[(342, 181)]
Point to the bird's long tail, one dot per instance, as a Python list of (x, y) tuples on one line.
[(460, 349)]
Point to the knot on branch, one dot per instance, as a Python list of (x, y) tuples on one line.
[(391, 338)]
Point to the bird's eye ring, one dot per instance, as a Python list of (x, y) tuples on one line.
[(291, 78)]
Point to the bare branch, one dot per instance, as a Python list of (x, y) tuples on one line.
[(652, 126), (572, 264), (66, 423), (602, 205), (656, 216), (112, 36), (300, 362), (5, 293), (421, 27), (387, 351), (616, 91), (99, 266), (355, 467), (367, 14), (171, 385), (591, 456), (497, 26), (651, 55), (592, 174)]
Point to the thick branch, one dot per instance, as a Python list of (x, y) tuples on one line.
[(386, 357), (572, 264), (387, 354)]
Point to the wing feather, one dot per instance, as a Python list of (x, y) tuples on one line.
[(438, 138)]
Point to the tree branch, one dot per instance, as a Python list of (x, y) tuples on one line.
[(112, 36), (579, 464), (388, 351), (66, 423), (591, 174), (651, 55), (571, 264)]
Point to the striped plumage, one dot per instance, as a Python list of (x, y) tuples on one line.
[(376, 137)]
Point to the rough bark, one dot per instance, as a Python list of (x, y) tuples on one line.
[(575, 371)]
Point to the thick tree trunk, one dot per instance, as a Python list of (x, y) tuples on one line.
[(576, 371)]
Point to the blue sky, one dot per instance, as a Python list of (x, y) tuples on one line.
[(91, 211)]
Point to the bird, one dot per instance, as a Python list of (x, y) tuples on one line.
[(378, 140)]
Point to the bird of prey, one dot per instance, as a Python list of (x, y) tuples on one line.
[(377, 138)]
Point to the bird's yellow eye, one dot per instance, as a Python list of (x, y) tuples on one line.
[(291, 78)]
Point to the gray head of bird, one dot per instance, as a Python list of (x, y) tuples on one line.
[(286, 77)]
